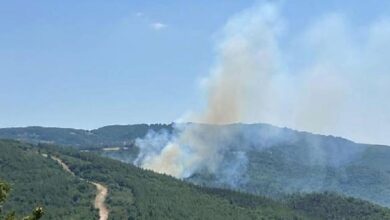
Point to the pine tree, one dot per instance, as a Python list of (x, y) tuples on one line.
[(4, 191)]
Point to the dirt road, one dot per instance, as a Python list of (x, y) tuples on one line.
[(101, 193), (100, 198)]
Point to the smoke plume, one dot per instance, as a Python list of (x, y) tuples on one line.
[(330, 78), (244, 62)]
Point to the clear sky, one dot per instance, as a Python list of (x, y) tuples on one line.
[(90, 63)]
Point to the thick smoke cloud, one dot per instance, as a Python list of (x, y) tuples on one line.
[(331, 78), (244, 63)]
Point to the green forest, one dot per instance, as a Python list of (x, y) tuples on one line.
[(134, 193)]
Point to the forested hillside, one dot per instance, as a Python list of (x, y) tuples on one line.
[(115, 135), (38, 181), (283, 161), (139, 194), (279, 161)]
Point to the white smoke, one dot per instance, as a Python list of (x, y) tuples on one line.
[(245, 61), (342, 80), (331, 78)]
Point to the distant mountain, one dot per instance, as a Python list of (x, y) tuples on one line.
[(282, 161), (114, 135), (134, 193), (269, 161)]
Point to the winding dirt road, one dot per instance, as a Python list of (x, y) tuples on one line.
[(101, 193), (101, 196)]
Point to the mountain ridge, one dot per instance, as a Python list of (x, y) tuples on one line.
[(10, 132), (280, 160)]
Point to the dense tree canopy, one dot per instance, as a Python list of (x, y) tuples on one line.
[(135, 193), (37, 213)]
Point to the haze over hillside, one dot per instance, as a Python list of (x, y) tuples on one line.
[(134, 193), (262, 109), (257, 158)]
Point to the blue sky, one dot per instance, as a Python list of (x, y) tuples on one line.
[(91, 63)]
